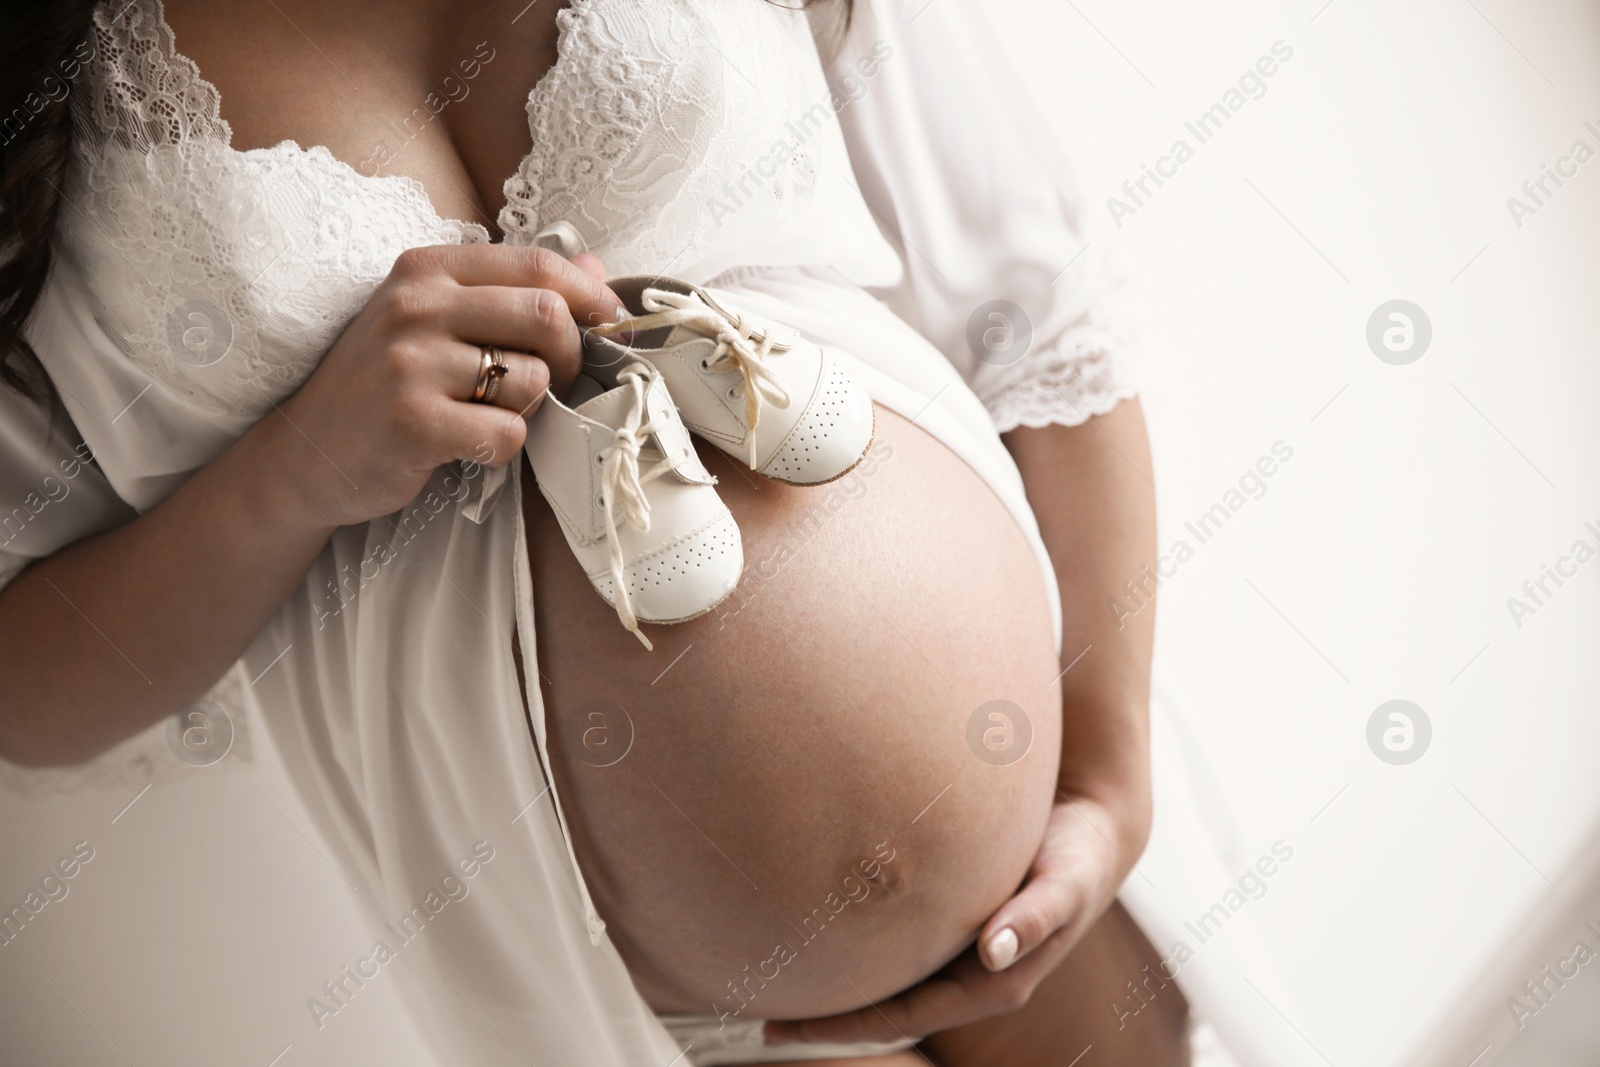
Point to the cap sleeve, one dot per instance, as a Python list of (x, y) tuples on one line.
[(1008, 272)]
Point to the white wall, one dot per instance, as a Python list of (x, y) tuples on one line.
[(1419, 498)]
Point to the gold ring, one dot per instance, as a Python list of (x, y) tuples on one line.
[(489, 374)]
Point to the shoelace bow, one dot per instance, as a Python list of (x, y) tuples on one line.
[(622, 486), (737, 347)]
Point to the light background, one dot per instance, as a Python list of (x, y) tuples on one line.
[(1377, 565), (1376, 166)]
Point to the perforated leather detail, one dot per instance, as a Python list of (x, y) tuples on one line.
[(831, 435), (711, 555)]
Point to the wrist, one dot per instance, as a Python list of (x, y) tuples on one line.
[(1124, 799), (281, 493)]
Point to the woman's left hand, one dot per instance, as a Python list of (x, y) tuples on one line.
[(1088, 849)]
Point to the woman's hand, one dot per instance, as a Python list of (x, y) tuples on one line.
[(392, 400), (388, 405), (1088, 849)]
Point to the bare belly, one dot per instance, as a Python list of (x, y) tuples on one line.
[(779, 810)]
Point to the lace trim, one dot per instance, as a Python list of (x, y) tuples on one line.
[(524, 189), (1066, 386), (145, 78), (223, 274), (1083, 369), (148, 94), (623, 121), (636, 134)]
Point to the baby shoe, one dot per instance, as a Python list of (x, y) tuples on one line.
[(754, 388), (633, 499)]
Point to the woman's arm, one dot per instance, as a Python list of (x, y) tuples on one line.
[(108, 635), (1092, 491)]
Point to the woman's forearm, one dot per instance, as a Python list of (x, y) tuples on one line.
[(1091, 487), (114, 632)]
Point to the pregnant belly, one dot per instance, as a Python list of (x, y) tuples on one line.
[(801, 799)]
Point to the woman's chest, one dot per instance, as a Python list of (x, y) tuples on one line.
[(431, 91)]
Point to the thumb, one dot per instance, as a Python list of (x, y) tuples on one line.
[(1026, 921)]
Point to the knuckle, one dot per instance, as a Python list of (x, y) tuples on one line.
[(535, 381), (1032, 925), (416, 410), (415, 262), (538, 379), (412, 304), (544, 264), (404, 360), (547, 310), (512, 435)]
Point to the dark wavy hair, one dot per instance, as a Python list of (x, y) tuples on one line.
[(40, 53), (41, 42)]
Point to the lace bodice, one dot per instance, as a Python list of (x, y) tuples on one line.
[(227, 274), (691, 137), (645, 114)]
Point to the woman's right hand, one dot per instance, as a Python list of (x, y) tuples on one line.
[(392, 400)]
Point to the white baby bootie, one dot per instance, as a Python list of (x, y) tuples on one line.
[(633, 499), (754, 388)]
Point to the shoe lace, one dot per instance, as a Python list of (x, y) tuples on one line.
[(622, 496), (739, 347)]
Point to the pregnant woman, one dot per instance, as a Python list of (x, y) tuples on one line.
[(885, 793)]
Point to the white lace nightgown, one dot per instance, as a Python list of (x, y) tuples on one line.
[(196, 285)]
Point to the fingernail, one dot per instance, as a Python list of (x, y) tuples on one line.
[(619, 314), (1002, 949)]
